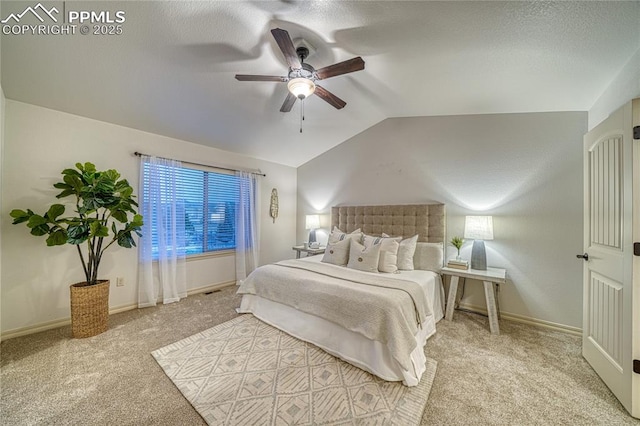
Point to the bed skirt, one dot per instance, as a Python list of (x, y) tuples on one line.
[(347, 345)]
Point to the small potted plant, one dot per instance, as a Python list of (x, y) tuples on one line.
[(457, 243), (103, 203)]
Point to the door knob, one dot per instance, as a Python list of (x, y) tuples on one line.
[(583, 256)]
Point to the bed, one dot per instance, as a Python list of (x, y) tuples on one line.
[(378, 322)]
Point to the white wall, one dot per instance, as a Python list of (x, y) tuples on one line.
[(2, 107), (524, 169), (624, 87), (39, 144)]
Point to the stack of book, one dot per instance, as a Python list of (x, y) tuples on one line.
[(458, 264)]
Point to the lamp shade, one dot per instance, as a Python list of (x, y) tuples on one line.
[(478, 227), (312, 221), (301, 87)]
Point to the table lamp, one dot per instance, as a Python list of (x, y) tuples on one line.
[(312, 223), (478, 229)]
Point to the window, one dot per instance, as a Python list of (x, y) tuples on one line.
[(208, 202)]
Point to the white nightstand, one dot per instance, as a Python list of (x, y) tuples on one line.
[(308, 251), (489, 277)]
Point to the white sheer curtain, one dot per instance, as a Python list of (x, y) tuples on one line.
[(247, 230), (162, 269)]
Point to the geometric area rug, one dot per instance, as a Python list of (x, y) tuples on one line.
[(246, 372)]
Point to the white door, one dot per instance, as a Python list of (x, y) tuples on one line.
[(611, 335)]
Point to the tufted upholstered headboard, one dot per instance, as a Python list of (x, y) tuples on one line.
[(407, 220)]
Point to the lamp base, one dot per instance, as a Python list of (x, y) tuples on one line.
[(312, 236), (478, 256)]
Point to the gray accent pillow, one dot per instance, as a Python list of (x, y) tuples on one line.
[(337, 253), (364, 258), (429, 256)]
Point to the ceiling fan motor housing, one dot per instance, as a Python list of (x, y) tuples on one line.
[(307, 71)]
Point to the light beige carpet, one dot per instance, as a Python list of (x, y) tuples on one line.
[(245, 372), (524, 376)]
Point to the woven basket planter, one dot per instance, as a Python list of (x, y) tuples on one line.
[(89, 308)]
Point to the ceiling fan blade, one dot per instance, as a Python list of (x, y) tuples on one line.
[(248, 77), (345, 67), (288, 102), (287, 47), (329, 97)]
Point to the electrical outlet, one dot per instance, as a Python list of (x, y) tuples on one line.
[(120, 282)]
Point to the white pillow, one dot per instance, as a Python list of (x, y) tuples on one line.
[(364, 258), (337, 253), (388, 252), (338, 235), (429, 256), (405, 253)]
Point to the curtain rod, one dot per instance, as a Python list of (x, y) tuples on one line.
[(140, 154)]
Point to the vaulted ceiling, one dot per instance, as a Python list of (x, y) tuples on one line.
[(171, 71)]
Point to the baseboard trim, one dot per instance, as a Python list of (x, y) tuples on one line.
[(44, 326), (9, 334), (527, 320), (32, 329)]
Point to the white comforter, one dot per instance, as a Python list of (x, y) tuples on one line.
[(398, 358)]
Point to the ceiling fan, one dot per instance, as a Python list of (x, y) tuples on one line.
[(302, 77)]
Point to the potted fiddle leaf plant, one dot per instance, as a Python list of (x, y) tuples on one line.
[(105, 214)]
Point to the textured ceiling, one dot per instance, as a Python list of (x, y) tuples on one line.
[(171, 71)]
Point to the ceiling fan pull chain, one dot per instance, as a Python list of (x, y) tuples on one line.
[(301, 113)]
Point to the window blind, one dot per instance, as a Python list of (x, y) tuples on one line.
[(210, 202)]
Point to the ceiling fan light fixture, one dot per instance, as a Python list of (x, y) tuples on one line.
[(301, 87)]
